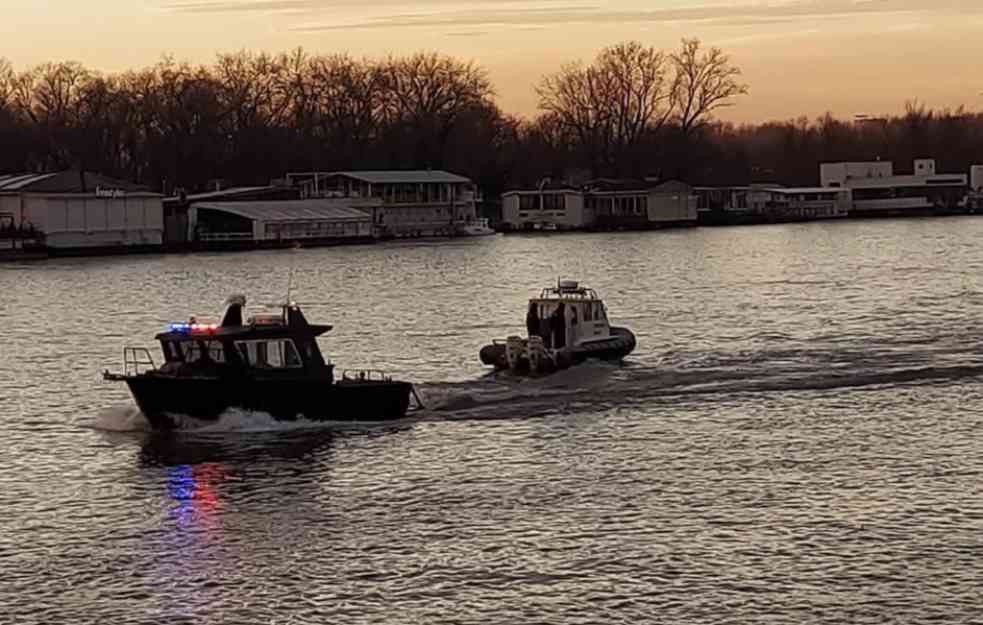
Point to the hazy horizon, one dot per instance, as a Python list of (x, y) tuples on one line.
[(800, 57)]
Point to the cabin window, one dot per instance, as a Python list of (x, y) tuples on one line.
[(589, 312), (273, 354), (171, 351), (202, 351)]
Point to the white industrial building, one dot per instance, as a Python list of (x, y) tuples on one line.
[(414, 203), (877, 190), (80, 212), (274, 223)]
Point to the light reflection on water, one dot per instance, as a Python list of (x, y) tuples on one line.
[(796, 439)]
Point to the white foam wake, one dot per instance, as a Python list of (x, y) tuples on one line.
[(121, 418), (128, 418)]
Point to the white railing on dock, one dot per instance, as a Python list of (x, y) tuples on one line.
[(225, 236)]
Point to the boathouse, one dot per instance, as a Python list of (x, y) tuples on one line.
[(601, 204), (176, 230), (83, 212), (780, 204), (246, 225), (414, 203), (559, 207)]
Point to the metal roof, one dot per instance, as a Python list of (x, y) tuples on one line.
[(294, 210), (802, 189), (67, 181), (410, 176), (906, 180), (231, 191), (16, 182)]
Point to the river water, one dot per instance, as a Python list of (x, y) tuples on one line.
[(796, 439)]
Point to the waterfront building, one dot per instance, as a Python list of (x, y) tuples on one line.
[(82, 212), (603, 204), (976, 179), (281, 223), (780, 204), (550, 208), (672, 203), (877, 190), (177, 230), (412, 203), (618, 204), (721, 199)]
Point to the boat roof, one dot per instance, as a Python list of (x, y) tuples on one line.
[(568, 290), (241, 333), (289, 323)]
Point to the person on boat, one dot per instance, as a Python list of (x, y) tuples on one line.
[(559, 327), (546, 329), (532, 321)]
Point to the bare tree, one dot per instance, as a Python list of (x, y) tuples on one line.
[(425, 94), (7, 78), (613, 102), (705, 81), (350, 97), (574, 98)]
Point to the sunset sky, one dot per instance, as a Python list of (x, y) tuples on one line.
[(798, 56)]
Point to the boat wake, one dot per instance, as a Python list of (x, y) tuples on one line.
[(672, 378), (128, 418), (699, 377)]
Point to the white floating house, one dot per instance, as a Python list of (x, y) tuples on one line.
[(414, 203), (560, 208), (799, 203), (83, 212), (602, 204)]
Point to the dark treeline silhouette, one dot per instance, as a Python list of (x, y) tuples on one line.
[(633, 111)]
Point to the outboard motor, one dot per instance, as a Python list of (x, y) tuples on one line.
[(513, 352), (537, 355), (233, 310)]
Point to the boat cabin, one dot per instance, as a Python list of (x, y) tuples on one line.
[(263, 345), (567, 315)]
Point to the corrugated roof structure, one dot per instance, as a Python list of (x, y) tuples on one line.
[(68, 181), (230, 192), (804, 189), (16, 182), (294, 210), (673, 186), (410, 176)]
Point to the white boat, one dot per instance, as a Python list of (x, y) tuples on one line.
[(477, 227), (566, 324)]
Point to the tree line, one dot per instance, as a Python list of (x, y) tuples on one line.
[(632, 111)]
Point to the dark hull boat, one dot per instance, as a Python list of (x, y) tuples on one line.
[(566, 325), (269, 364)]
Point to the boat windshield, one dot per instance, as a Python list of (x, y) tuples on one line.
[(271, 354), (201, 351)]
